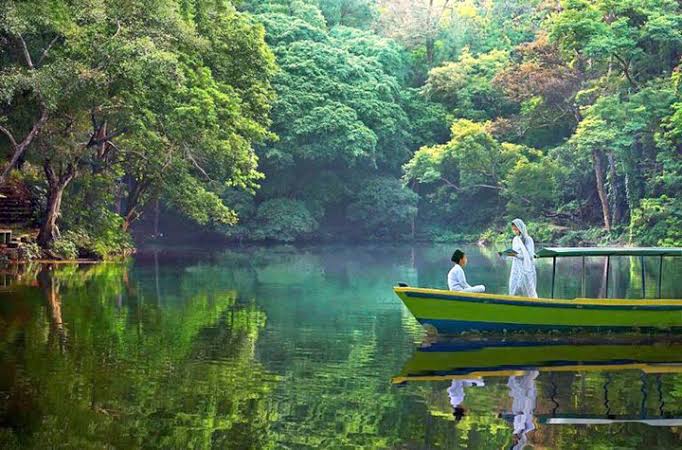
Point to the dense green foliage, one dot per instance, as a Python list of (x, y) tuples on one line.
[(134, 101), (343, 117), (298, 119), (596, 95)]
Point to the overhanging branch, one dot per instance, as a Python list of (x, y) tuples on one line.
[(27, 54), (47, 50), (9, 135)]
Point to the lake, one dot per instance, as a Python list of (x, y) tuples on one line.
[(308, 347)]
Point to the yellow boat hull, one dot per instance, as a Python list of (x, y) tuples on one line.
[(450, 311), (463, 360)]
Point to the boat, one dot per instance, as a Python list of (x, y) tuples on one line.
[(462, 360), (453, 311)]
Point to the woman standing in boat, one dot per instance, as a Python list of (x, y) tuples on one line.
[(523, 278)]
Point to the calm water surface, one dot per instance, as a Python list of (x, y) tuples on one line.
[(286, 347)]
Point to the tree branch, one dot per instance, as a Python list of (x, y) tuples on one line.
[(95, 142), (451, 184), (486, 186), (70, 172), (49, 172), (47, 50), (9, 135), (118, 29), (460, 189), (20, 149), (27, 55), (95, 127), (626, 70), (198, 167)]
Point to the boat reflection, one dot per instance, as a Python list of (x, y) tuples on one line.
[(545, 380)]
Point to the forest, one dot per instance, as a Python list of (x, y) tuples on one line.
[(323, 120)]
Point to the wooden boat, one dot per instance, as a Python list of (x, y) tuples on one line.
[(463, 360), (452, 311)]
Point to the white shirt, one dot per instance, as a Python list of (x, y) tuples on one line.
[(456, 390), (457, 281)]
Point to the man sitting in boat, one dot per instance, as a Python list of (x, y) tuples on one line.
[(457, 281), (456, 394)]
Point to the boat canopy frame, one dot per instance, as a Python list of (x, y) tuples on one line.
[(608, 252), (551, 252)]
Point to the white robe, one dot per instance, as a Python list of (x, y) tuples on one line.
[(523, 277), (457, 281), (523, 392)]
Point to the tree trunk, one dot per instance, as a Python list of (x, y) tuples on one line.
[(430, 50), (49, 231), (430, 44), (56, 185), (134, 202), (128, 220), (131, 216), (601, 190), (614, 190), (157, 213)]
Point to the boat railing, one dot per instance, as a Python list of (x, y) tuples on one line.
[(583, 252)]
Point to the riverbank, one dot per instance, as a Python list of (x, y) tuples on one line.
[(18, 245), (24, 247)]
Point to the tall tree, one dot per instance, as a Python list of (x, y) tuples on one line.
[(167, 99)]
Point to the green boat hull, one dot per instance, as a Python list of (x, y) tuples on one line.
[(444, 360), (451, 312)]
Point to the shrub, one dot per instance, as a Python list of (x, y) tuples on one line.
[(31, 250), (90, 223), (531, 187), (110, 242), (442, 234), (493, 236), (64, 248), (383, 208), (283, 219), (657, 221)]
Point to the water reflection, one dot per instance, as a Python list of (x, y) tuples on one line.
[(284, 347), (85, 351), (523, 392), (567, 382), (456, 394)]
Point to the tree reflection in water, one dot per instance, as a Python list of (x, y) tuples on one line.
[(292, 347), (125, 372)]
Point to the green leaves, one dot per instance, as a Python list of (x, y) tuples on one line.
[(657, 222), (180, 92), (283, 219), (531, 187), (340, 113), (473, 160), (383, 208), (465, 86), (637, 34)]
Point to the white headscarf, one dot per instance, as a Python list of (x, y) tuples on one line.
[(527, 257)]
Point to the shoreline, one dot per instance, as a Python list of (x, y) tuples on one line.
[(486, 239), (18, 262)]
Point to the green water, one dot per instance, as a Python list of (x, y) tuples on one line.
[(289, 348)]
